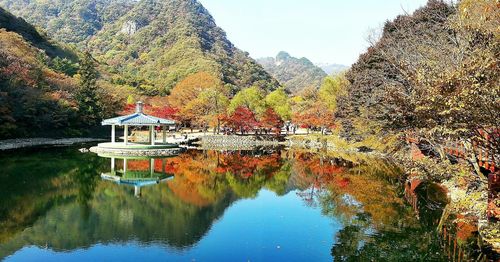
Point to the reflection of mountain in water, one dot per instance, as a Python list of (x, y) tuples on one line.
[(65, 205), (117, 216), (177, 213)]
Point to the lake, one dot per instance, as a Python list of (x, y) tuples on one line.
[(263, 205)]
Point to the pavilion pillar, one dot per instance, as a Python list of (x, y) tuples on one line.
[(137, 191), (124, 166), (113, 166), (164, 133), (151, 135), (113, 134), (126, 135), (152, 166)]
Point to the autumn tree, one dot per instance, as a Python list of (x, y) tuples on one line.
[(213, 103), (199, 98), (313, 108), (242, 119), (270, 120), (166, 112), (316, 116)]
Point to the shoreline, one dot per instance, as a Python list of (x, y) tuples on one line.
[(13, 144)]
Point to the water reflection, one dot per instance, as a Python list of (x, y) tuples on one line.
[(65, 201), (137, 172)]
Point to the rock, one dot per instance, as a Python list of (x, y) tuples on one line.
[(364, 149), (129, 28)]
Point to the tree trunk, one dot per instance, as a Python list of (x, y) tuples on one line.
[(472, 158), (218, 125)]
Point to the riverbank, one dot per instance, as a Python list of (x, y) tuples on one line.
[(12, 144)]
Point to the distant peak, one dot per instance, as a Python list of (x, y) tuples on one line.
[(283, 56)]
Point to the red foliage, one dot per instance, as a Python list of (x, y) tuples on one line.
[(271, 120), (343, 182), (162, 112), (242, 119), (165, 112), (130, 109)]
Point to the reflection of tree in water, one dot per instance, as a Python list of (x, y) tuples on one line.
[(32, 183), (366, 198), (180, 212), (164, 214), (407, 244), (86, 176)]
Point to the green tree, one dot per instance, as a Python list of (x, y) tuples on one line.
[(64, 66), (331, 88), (251, 98), (279, 102), (215, 100), (87, 94)]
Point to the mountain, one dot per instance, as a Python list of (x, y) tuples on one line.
[(151, 44), (293, 73), (332, 69)]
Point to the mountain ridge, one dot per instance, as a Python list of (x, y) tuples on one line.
[(293, 73)]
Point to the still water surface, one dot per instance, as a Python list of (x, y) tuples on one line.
[(274, 205)]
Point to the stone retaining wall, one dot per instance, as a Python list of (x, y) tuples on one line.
[(136, 152), (234, 140)]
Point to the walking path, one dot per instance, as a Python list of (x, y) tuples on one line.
[(32, 142)]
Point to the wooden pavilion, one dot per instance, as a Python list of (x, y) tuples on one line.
[(138, 119)]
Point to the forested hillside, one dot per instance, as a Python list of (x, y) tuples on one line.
[(13, 24), (69, 21), (152, 45), (39, 84), (293, 73), (435, 70)]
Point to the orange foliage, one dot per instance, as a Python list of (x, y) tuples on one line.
[(192, 174), (315, 116), (376, 196), (465, 229), (189, 88)]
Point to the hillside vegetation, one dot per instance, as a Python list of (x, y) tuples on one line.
[(151, 44), (39, 84)]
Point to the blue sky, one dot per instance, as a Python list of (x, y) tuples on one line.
[(325, 31)]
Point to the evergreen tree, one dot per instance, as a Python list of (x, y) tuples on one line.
[(87, 98)]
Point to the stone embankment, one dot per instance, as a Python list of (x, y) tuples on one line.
[(235, 141), (136, 152), (35, 142)]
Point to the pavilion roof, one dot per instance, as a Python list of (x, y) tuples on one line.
[(137, 119)]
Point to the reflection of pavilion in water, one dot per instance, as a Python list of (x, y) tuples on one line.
[(138, 172)]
